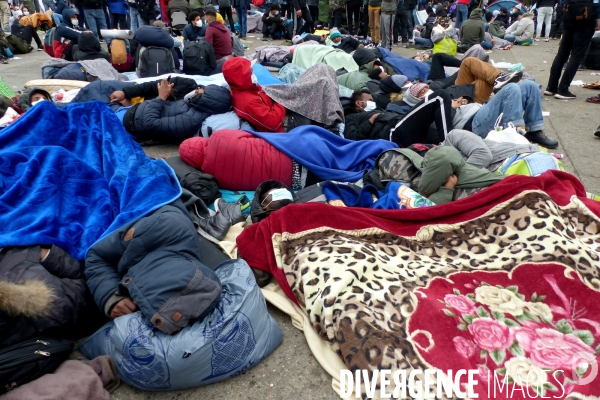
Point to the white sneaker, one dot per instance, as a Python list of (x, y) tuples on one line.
[(547, 40), (536, 40)]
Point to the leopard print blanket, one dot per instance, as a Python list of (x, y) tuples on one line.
[(384, 301)]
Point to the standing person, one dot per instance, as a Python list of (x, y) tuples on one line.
[(388, 14), (198, 6), (462, 12), (374, 19), (337, 9), (405, 18), (5, 14), (134, 15), (118, 13), (241, 9), (226, 13), (313, 7), (353, 16), (94, 15), (545, 8), (578, 29), (556, 30), (324, 12), (147, 11), (301, 12)]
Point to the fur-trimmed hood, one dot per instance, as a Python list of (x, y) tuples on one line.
[(31, 299)]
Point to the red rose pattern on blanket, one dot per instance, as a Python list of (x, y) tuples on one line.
[(537, 320)]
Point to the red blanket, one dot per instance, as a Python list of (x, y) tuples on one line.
[(505, 281)]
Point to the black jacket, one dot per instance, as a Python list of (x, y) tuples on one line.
[(268, 19), (149, 90), (348, 44), (358, 126), (299, 4), (504, 19), (146, 9), (88, 48), (39, 297), (179, 119), (409, 5), (545, 3), (156, 261)]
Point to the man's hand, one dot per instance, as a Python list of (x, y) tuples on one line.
[(373, 118), (123, 307), (299, 13), (117, 96), (451, 182), (165, 89)]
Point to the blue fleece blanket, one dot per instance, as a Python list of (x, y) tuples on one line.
[(328, 156), (406, 66), (71, 176), (265, 77)]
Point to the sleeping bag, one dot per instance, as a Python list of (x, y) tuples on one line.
[(238, 159), (236, 335)]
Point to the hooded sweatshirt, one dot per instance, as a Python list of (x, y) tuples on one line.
[(472, 30), (65, 32), (89, 48), (249, 101), (523, 29), (218, 35)]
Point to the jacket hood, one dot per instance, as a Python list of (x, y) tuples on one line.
[(88, 43), (364, 56), (67, 14), (528, 15), (193, 151), (30, 299), (215, 100), (219, 26), (477, 14), (237, 72)]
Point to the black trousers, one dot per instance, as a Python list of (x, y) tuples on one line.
[(438, 62), (414, 127), (556, 30), (405, 27), (353, 18), (119, 21), (226, 13), (335, 18), (308, 22), (314, 13), (30, 34), (573, 45), (270, 29)]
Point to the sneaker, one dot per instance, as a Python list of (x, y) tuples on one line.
[(549, 92), (536, 40), (539, 137), (232, 212), (270, 39), (3, 60), (582, 68), (411, 41), (404, 45), (546, 40), (265, 39), (565, 96), (597, 133), (40, 49), (505, 78)]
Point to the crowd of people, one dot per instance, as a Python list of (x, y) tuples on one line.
[(459, 124)]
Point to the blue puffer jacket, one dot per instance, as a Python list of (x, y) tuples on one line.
[(179, 119), (156, 261), (118, 6), (66, 29)]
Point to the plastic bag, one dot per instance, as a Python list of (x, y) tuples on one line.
[(506, 135), (238, 334), (515, 67), (446, 45)]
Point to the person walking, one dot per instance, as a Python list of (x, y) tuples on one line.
[(578, 29)]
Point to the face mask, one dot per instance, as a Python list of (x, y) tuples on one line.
[(276, 12), (26, 13), (75, 22), (199, 23), (277, 195), (37, 101), (254, 79), (189, 95), (336, 44), (370, 106)]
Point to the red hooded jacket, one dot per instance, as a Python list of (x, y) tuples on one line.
[(248, 99), (239, 160)]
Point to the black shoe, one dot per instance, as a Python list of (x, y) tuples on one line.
[(565, 96), (549, 92), (582, 68), (505, 78), (539, 137), (264, 39), (232, 212), (597, 133)]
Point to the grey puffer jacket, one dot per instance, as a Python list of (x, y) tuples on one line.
[(179, 119)]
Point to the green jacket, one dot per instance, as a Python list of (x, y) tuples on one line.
[(428, 174), (354, 80), (472, 30), (368, 67), (194, 4), (335, 4), (496, 29)]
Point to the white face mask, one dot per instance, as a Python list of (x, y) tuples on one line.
[(26, 13), (37, 101), (370, 106), (277, 195), (336, 44), (199, 23), (276, 12), (75, 22), (254, 79), (189, 95)]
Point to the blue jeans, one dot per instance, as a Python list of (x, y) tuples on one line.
[(510, 38), (487, 45), (57, 18), (423, 42), (520, 104), (136, 18), (95, 20), (462, 13), (242, 15)]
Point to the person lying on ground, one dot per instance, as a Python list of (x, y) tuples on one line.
[(378, 72), (346, 43), (495, 28), (521, 31), (88, 48), (272, 23), (149, 91), (195, 29), (43, 291), (520, 105), (486, 78), (163, 119), (388, 89), (27, 33), (484, 153), (29, 98), (249, 101), (155, 265), (307, 37)]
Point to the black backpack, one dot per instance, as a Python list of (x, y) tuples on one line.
[(198, 58), (593, 59), (24, 362), (202, 185), (578, 12), (155, 61)]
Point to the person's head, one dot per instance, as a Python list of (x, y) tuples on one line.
[(195, 95), (362, 100), (419, 90), (421, 57), (25, 10), (210, 15), (38, 95), (503, 10), (297, 39), (445, 5), (335, 37), (194, 17), (274, 10), (516, 14), (75, 19), (489, 17), (460, 101), (378, 73)]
